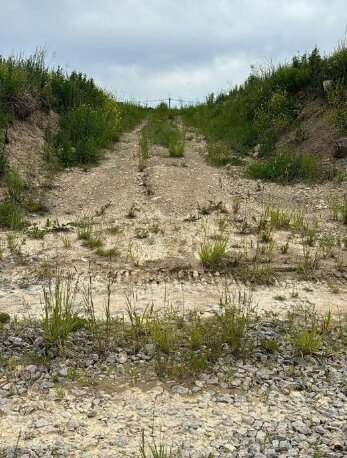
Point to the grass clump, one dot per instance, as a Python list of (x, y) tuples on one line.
[(212, 253), (219, 155), (60, 317), (287, 167), (109, 253), (307, 341), (4, 317), (11, 216)]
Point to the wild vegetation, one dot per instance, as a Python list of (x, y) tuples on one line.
[(265, 106)]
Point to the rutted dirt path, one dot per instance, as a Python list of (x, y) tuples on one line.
[(176, 204)]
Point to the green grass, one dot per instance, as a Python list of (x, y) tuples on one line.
[(287, 167), (219, 155), (162, 130), (212, 253), (11, 216), (60, 317)]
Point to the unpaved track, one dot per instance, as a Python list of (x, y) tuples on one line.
[(157, 249)]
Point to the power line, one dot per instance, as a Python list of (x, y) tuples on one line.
[(169, 99)]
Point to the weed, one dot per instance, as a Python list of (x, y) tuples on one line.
[(141, 233), (287, 167), (307, 341), (11, 216), (157, 450), (164, 336), (234, 321), (92, 242), (212, 253), (36, 233), (269, 345), (265, 236), (115, 230), (310, 235), (285, 248), (132, 212), (60, 318), (310, 262), (102, 209), (66, 241), (212, 207), (279, 219), (15, 185), (107, 253), (218, 154)]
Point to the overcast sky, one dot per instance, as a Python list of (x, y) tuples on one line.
[(150, 49)]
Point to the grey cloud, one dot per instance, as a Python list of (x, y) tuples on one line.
[(153, 47)]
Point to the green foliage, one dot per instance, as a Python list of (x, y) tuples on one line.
[(4, 317), (234, 321), (212, 253), (60, 318), (287, 167), (90, 118), (15, 184), (307, 341), (84, 130), (270, 99), (11, 216), (219, 154)]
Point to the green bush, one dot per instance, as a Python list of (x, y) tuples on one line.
[(84, 131)]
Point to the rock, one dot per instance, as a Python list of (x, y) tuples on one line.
[(122, 358), (336, 443), (63, 372), (320, 429), (327, 85), (149, 349), (341, 147), (301, 428), (180, 389)]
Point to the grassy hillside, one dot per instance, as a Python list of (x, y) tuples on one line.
[(269, 103), (89, 120)]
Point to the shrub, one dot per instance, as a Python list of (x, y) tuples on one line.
[(84, 131), (218, 154)]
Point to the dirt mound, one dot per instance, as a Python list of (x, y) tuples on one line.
[(313, 132), (26, 143)]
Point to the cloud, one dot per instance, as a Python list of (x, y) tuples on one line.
[(153, 48)]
